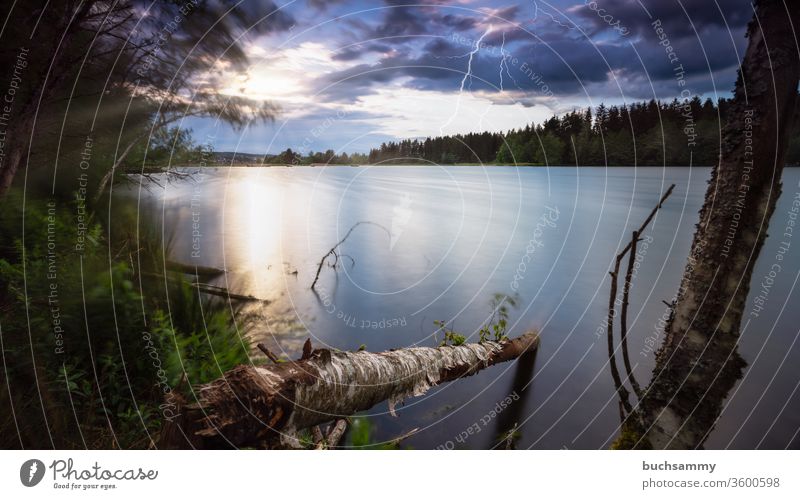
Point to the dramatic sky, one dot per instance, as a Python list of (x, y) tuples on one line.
[(348, 75)]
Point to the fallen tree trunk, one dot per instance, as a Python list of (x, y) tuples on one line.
[(265, 406)]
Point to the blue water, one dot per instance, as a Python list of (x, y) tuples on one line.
[(451, 237)]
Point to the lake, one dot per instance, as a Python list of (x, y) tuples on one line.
[(442, 242)]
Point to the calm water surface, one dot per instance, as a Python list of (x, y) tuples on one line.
[(451, 238)]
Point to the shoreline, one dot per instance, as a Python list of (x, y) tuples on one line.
[(161, 169)]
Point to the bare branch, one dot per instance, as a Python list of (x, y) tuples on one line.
[(332, 251)]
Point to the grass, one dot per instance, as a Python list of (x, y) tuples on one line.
[(96, 343)]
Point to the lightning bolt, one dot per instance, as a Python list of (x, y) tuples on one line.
[(32, 472), (537, 9), (467, 74), (460, 56), (504, 56), (503, 67)]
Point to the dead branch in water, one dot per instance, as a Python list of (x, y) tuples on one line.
[(271, 356), (195, 270), (622, 392), (336, 432), (335, 254), (265, 406), (623, 319), (210, 289)]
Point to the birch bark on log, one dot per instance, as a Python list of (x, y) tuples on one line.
[(266, 406)]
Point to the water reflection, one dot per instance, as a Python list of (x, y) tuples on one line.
[(457, 236)]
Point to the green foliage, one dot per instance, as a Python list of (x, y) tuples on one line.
[(649, 133), (450, 337), (359, 432), (164, 146), (109, 339), (504, 155), (547, 149), (360, 436), (201, 354), (510, 437), (631, 436), (448, 158), (494, 329)]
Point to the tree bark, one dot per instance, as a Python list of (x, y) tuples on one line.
[(266, 406), (698, 363), (9, 170), (43, 87)]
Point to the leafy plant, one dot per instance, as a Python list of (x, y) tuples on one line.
[(450, 336), (125, 334), (493, 330), (359, 436)]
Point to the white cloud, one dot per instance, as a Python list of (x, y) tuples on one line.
[(406, 112), (283, 76)]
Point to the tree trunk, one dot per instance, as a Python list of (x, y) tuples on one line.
[(43, 87), (9, 170), (698, 364), (266, 406), (109, 175)]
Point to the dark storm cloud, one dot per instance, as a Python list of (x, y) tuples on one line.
[(678, 17), (259, 17), (353, 52), (402, 21), (508, 13), (443, 63), (565, 66), (432, 18), (442, 47), (543, 53), (324, 4), (460, 23)]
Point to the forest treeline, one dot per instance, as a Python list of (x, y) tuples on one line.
[(652, 133)]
